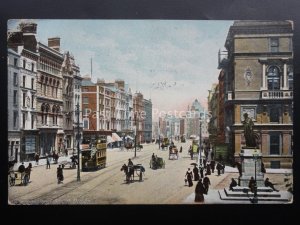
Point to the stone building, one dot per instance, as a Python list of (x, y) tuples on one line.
[(13, 110), (23, 42), (259, 82), (148, 120), (139, 116)]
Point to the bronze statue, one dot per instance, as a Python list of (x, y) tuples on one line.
[(248, 131)]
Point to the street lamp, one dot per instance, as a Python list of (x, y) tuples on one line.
[(255, 158), (78, 140)]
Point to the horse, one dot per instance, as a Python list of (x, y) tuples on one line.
[(129, 172)]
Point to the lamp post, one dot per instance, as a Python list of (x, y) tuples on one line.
[(199, 153), (78, 139), (255, 199), (135, 134), (158, 133)]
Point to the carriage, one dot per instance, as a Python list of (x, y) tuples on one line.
[(157, 163), (173, 152), (131, 146), (129, 171)]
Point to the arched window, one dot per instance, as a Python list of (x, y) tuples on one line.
[(54, 109), (273, 77)]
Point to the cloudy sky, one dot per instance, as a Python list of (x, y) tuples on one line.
[(173, 62)]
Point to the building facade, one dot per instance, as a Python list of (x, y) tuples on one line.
[(13, 111), (259, 82), (23, 41), (148, 121)]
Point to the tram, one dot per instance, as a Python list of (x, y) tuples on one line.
[(93, 153)]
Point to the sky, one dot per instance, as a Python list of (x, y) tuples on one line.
[(171, 62)]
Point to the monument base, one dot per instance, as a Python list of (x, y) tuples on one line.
[(251, 167)]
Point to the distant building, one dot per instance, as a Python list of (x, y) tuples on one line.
[(148, 120)]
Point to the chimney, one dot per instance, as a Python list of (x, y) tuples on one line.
[(54, 43)]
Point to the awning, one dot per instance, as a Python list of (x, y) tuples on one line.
[(116, 137), (109, 139)]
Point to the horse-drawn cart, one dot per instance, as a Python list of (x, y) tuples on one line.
[(129, 171), (157, 163)]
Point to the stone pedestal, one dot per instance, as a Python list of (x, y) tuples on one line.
[(251, 159)]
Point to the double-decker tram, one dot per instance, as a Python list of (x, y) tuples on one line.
[(93, 152)]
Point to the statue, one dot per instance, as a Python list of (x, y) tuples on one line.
[(248, 131)]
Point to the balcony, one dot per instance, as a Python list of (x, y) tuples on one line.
[(280, 94)]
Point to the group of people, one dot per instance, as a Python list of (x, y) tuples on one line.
[(25, 173)]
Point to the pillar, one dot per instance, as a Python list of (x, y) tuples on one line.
[(264, 77), (285, 77)]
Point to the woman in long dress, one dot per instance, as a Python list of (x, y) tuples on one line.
[(189, 176), (199, 191)]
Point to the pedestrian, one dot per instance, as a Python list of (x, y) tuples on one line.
[(219, 168), (232, 184), (48, 161), (208, 172), (201, 171), (66, 152), (239, 167), (180, 149), (189, 177), (196, 173), (251, 184), (199, 191), (36, 157), (28, 170), (21, 169), (130, 163), (59, 174), (270, 184), (206, 183)]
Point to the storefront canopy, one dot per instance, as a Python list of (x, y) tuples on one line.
[(116, 137)]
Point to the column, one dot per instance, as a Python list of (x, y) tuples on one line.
[(284, 77), (264, 77)]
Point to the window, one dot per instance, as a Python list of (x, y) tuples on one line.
[(15, 97), (85, 100), (274, 144), (290, 77), (24, 99), (15, 62), (273, 78), (85, 123), (12, 148), (275, 164), (274, 114), (32, 121), (24, 63), (32, 101), (32, 67), (274, 44), (24, 81), (15, 118), (24, 120), (15, 79), (32, 83)]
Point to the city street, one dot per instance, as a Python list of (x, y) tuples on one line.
[(108, 186)]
